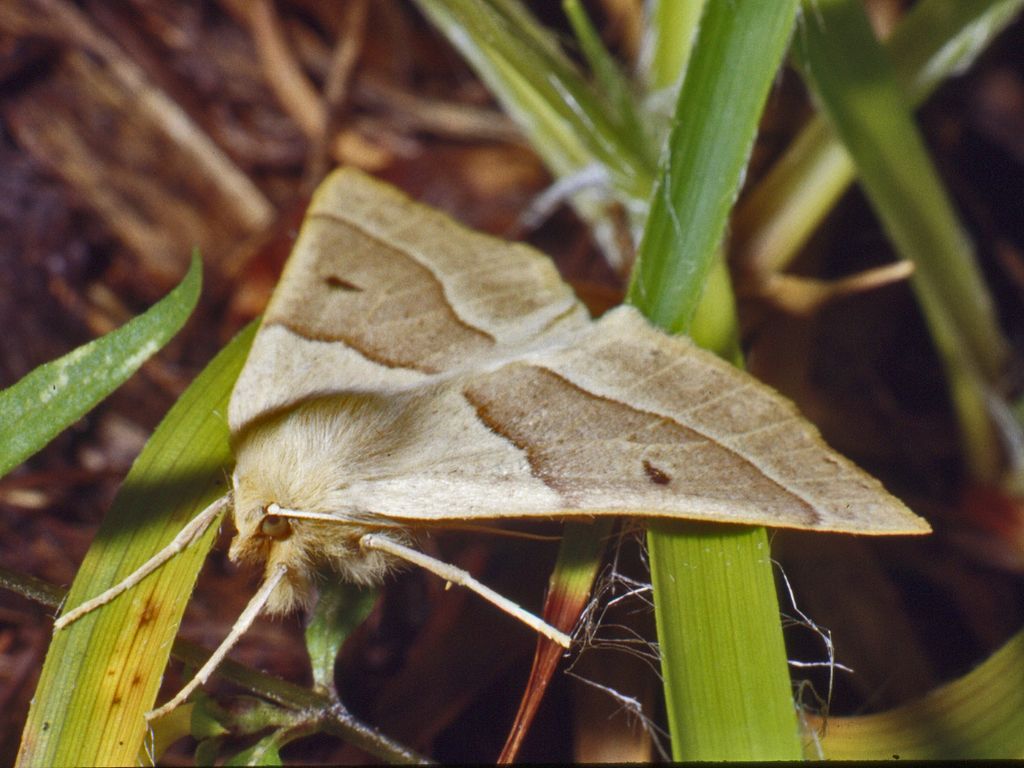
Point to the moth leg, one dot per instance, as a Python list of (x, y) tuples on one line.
[(463, 578), (241, 626), (196, 527)]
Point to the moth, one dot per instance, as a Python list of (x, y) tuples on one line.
[(410, 372)]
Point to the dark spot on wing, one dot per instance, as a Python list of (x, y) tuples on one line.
[(655, 475), (333, 281)]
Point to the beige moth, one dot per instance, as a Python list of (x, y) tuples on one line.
[(409, 372)]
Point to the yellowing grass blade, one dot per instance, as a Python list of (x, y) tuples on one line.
[(980, 715), (103, 672)]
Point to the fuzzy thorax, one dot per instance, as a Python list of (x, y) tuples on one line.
[(305, 459)]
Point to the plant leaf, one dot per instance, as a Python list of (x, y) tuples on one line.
[(56, 394), (857, 88), (263, 752), (935, 40), (340, 608), (102, 673), (569, 123), (673, 27), (977, 716)]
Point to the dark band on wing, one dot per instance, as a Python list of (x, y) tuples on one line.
[(577, 442), (375, 298)]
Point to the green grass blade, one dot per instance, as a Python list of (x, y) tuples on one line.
[(727, 682), (568, 122), (942, 38), (608, 77), (715, 124), (55, 395), (978, 716), (867, 108), (937, 39), (673, 26), (102, 673)]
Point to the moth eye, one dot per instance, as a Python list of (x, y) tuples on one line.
[(276, 527)]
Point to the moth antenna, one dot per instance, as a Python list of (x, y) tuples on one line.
[(488, 530), (241, 626), (276, 510), (297, 514), (463, 578), (195, 528)]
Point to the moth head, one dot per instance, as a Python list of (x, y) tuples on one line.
[(266, 539), (309, 540)]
